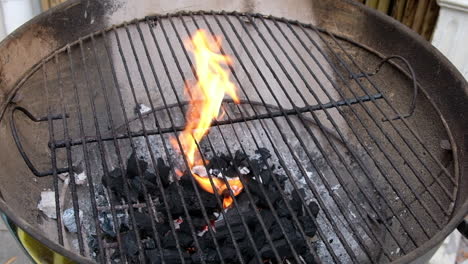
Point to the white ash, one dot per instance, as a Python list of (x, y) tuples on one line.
[(259, 179), (80, 178), (216, 173), (143, 109), (200, 170), (177, 222), (75, 244), (202, 233), (244, 170), (47, 204), (336, 187), (68, 219)]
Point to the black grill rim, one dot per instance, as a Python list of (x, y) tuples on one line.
[(435, 240)]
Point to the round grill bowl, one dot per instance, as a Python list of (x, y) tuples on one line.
[(392, 194)]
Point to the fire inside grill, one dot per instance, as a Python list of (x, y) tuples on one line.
[(206, 97), (231, 138), (224, 234)]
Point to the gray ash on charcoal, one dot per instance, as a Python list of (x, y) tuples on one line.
[(221, 165)]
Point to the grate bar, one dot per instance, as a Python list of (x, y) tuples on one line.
[(332, 253), (374, 236), (257, 254), (292, 127), (91, 139), (400, 117), (414, 170), (230, 153), (410, 128), (275, 64), (71, 174), (423, 204), (53, 158), (356, 157), (218, 200), (179, 249), (119, 157), (357, 116), (250, 79)]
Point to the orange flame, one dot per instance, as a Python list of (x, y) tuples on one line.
[(206, 97)]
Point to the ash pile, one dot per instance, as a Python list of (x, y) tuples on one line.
[(176, 228)]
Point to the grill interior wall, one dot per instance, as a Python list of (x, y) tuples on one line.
[(386, 181)]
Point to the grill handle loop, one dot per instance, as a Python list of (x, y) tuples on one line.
[(19, 145), (413, 78)]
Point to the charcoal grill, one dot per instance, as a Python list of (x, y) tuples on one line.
[(369, 121)]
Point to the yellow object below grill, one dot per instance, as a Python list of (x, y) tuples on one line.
[(38, 252)]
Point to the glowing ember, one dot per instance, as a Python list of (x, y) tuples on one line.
[(206, 97)]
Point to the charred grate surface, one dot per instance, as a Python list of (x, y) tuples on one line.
[(338, 170)]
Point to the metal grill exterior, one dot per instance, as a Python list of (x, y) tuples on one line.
[(330, 123)]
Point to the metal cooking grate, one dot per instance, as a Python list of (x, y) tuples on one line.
[(332, 128)]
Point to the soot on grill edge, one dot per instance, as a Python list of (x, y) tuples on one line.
[(228, 167)]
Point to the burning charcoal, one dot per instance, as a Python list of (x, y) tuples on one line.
[(308, 225), (198, 222), (259, 237), (268, 218), (238, 232), (129, 243), (136, 187), (163, 172), (149, 243), (169, 241), (233, 216), (300, 245), (256, 166), (185, 227), (170, 256), (220, 162), (253, 261), (314, 209), (107, 224), (116, 184), (209, 200), (132, 167), (264, 153), (185, 240), (282, 247), (296, 202), (185, 180), (288, 227), (282, 209), (206, 241), (229, 254), (273, 196), (210, 256), (150, 180), (68, 219), (246, 248), (240, 158), (265, 177), (308, 258), (143, 222), (254, 188), (191, 200)]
